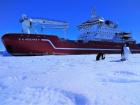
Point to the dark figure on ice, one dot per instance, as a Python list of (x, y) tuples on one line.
[(100, 56)]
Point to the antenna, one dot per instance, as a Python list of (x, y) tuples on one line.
[(93, 13)]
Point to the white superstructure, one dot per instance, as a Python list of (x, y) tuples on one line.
[(99, 29)]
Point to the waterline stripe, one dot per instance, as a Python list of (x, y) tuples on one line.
[(60, 48)]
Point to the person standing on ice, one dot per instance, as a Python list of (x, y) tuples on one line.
[(100, 56), (125, 52)]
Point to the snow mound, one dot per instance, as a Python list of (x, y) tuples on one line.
[(44, 96), (4, 53)]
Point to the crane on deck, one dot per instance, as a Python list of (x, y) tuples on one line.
[(28, 23)]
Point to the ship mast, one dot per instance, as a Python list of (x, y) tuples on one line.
[(93, 13)]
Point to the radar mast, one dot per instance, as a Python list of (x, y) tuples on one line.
[(93, 13)]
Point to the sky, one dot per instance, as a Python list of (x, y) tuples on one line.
[(126, 13)]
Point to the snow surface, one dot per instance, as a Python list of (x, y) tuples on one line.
[(69, 80)]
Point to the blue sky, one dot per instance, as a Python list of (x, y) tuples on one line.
[(125, 12)]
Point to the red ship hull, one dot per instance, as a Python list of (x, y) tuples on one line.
[(31, 44)]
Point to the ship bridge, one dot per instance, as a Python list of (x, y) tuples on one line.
[(89, 23)]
